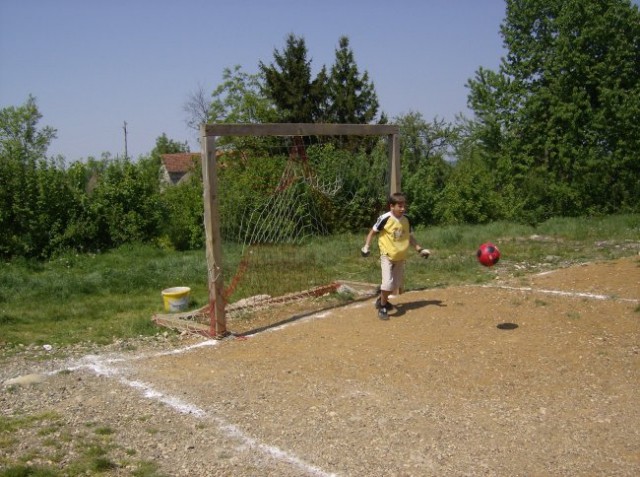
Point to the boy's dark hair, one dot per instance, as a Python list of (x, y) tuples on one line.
[(396, 198)]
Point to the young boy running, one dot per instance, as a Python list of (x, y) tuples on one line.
[(395, 237)]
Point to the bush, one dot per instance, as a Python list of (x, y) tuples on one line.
[(184, 224)]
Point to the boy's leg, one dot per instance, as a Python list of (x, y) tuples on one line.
[(383, 305), (397, 275), (378, 305), (384, 297), (387, 285), (392, 281)]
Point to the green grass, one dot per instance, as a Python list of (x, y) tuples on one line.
[(102, 297), (98, 298), (95, 452)]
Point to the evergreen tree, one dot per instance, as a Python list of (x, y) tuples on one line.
[(289, 84), (352, 97)]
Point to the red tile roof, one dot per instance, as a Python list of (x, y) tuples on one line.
[(179, 162)]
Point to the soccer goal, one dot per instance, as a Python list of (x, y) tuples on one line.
[(273, 194)]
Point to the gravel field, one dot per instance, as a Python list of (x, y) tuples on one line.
[(531, 376)]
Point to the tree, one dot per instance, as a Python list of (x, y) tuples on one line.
[(165, 145), (20, 138), (560, 120), (288, 83), (198, 108), (426, 169), (420, 140), (33, 195), (125, 205), (469, 195), (240, 99), (351, 97)]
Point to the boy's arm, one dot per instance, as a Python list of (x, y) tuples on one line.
[(367, 243), (423, 252)]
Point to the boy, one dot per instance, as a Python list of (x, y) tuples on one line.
[(396, 235)]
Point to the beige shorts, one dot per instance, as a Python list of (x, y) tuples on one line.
[(392, 275)]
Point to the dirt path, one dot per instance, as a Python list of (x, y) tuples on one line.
[(534, 376)]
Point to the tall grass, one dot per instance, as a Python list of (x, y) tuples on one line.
[(102, 297), (90, 297)]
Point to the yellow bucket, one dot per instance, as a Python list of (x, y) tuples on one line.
[(176, 298)]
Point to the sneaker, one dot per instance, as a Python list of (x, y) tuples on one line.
[(382, 313), (388, 306)]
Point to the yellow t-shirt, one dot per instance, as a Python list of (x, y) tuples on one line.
[(393, 236)]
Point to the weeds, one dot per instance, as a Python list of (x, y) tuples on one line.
[(94, 454), (102, 297), (99, 298)]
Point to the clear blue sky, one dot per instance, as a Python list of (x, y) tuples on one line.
[(92, 65)]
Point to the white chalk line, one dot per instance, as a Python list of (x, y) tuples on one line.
[(593, 296), (103, 366)]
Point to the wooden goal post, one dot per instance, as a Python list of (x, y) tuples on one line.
[(208, 134)]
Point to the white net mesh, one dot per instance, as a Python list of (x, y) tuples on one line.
[(285, 206)]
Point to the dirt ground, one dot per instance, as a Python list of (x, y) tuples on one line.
[(529, 376)]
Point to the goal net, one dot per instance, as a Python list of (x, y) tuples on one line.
[(287, 207)]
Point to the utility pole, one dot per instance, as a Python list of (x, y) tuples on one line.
[(126, 155)]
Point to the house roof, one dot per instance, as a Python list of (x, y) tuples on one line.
[(179, 162)]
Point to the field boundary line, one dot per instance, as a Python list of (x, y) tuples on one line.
[(593, 296), (104, 367)]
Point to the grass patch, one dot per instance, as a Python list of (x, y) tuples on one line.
[(104, 431), (28, 471), (103, 297), (573, 315), (99, 298), (93, 454), (147, 469), (10, 424)]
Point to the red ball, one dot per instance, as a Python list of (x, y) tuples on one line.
[(488, 254)]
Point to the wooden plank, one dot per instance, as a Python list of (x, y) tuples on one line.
[(198, 315), (361, 288), (299, 129), (287, 298), (213, 239), (175, 322), (394, 162)]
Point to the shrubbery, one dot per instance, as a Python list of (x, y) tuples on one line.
[(47, 207)]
